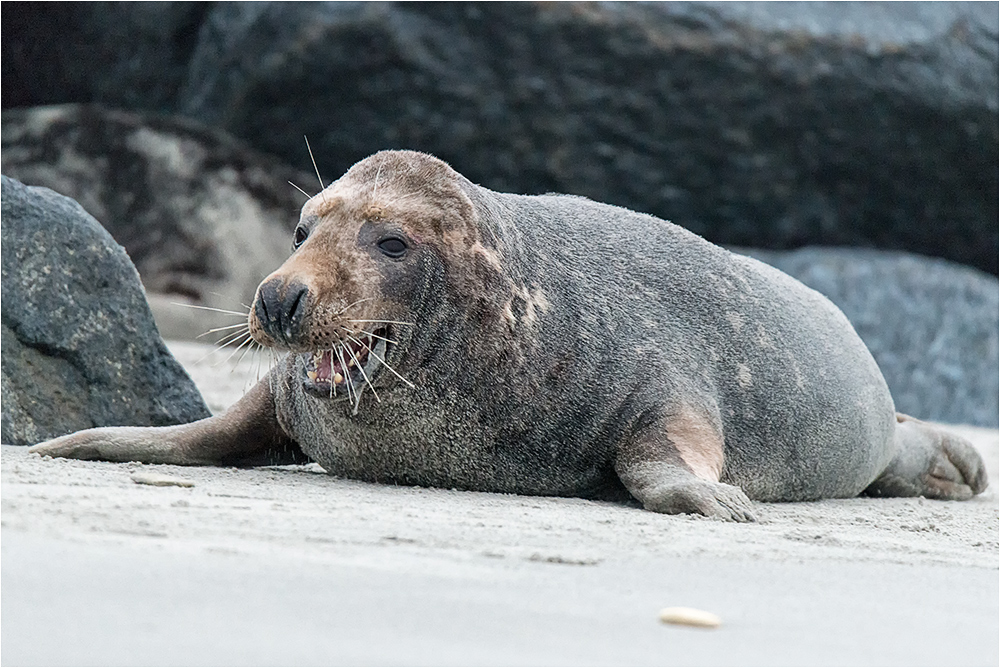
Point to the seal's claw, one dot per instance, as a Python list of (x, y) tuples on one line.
[(91, 444), (71, 446), (966, 460), (956, 471), (702, 497)]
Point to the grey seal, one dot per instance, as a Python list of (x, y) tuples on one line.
[(442, 334)]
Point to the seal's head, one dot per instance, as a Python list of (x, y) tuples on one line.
[(375, 254)]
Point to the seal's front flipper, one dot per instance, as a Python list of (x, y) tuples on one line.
[(672, 465), (930, 462), (673, 491), (248, 434)]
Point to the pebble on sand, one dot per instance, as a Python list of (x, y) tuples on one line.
[(690, 617), (160, 480)]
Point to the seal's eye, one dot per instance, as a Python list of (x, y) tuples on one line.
[(393, 247), (301, 234)]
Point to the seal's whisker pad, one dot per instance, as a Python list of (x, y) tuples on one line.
[(381, 359), (350, 365)]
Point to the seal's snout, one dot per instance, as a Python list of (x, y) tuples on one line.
[(280, 309)]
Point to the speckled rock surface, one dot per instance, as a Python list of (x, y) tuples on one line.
[(772, 125), (79, 345)]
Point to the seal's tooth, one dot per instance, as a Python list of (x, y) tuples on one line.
[(312, 375), (337, 379)]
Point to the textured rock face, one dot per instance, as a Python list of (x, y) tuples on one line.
[(203, 217), (930, 324), (770, 125), (79, 345)]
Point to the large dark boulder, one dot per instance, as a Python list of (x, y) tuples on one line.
[(846, 127), (761, 124), (931, 325), (207, 218), (79, 345), (203, 217), (124, 53)]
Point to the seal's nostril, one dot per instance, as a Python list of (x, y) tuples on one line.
[(270, 307), (261, 310), (293, 308), (298, 303), (270, 301)]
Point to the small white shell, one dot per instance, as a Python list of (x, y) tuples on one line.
[(690, 617), (160, 480)]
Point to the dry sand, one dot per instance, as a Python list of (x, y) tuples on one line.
[(287, 565)]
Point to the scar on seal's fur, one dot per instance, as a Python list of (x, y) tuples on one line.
[(443, 334)]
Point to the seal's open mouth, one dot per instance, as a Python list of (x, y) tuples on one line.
[(346, 368)]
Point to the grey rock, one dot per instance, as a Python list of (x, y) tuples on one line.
[(930, 324), (203, 217), (760, 124), (79, 345)]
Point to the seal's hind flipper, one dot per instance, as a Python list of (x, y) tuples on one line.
[(930, 462), (248, 434)]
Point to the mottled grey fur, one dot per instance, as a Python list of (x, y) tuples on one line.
[(565, 371)]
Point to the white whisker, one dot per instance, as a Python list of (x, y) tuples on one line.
[(270, 380), (350, 384), (366, 299), (385, 322), (247, 341), (207, 355), (376, 336), (262, 365), (333, 385), (229, 338), (219, 329), (249, 348), (254, 355), (322, 188), (300, 190), (209, 308), (363, 374), (367, 333), (218, 348), (347, 374), (257, 355), (372, 353), (377, 173)]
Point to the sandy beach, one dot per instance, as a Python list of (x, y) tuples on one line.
[(288, 565)]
